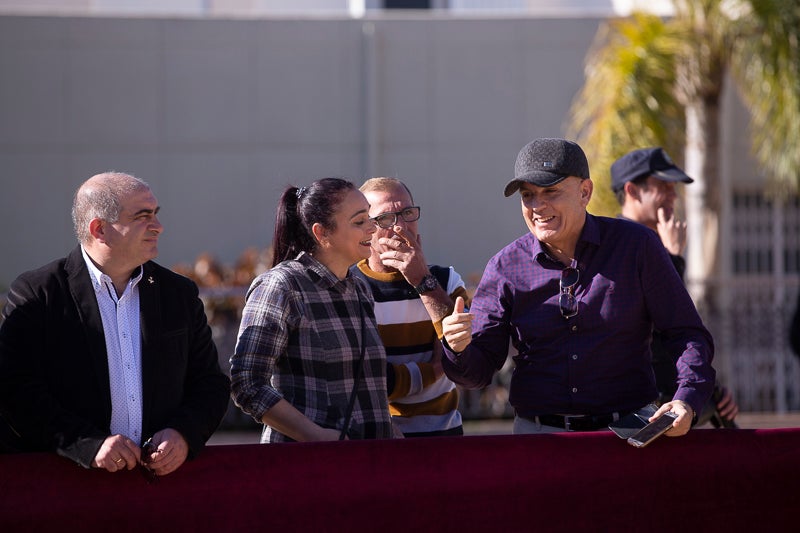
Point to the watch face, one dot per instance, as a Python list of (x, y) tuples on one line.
[(428, 284)]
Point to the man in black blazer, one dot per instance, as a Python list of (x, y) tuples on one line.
[(104, 348)]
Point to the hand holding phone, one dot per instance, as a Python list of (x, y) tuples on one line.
[(653, 430), (628, 425)]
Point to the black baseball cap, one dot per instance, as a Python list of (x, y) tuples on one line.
[(645, 162), (545, 162)]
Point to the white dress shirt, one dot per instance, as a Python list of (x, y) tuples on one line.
[(120, 317)]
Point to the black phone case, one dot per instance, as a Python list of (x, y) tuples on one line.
[(630, 424), (653, 430)]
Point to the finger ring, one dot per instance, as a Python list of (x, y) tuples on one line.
[(118, 461)]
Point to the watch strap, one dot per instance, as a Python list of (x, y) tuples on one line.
[(427, 284)]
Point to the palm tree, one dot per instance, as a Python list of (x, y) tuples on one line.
[(655, 82)]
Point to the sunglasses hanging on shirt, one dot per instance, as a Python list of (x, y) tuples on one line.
[(566, 300)]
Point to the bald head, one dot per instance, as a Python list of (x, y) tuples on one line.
[(101, 197), (383, 184)]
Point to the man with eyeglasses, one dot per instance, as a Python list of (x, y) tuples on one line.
[(411, 298), (644, 183), (578, 297)]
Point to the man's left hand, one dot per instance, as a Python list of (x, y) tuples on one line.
[(683, 423), (727, 406), (171, 452)]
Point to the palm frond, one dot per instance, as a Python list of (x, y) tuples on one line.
[(766, 68), (628, 100)]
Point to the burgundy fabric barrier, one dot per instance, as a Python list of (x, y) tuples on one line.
[(717, 480)]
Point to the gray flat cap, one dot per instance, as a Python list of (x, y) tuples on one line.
[(545, 162)]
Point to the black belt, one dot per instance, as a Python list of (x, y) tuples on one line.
[(578, 422)]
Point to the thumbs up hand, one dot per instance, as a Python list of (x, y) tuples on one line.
[(457, 327)]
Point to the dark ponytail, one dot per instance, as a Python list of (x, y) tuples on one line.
[(299, 209)]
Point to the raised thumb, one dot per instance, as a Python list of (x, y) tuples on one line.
[(459, 305)]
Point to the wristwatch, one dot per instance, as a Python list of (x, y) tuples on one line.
[(428, 283)]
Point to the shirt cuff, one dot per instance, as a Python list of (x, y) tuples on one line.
[(451, 355)]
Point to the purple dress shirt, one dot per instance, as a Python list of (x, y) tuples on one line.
[(597, 362)]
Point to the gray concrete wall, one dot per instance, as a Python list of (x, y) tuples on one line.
[(220, 115)]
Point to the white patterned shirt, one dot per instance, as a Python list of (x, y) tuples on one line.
[(120, 317)]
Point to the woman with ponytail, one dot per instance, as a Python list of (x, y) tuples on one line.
[(309, 363)]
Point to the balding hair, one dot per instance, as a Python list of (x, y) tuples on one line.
[(384, 184), (101, 197)]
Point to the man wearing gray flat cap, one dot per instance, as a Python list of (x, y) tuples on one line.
[(578, 298)]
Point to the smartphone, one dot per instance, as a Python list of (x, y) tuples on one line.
[(630, 424), (653, 430)]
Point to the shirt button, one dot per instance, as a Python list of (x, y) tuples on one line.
[(574, 328), (574, 357), (574, 389)]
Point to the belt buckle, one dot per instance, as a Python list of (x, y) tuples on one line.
[(567, 424)]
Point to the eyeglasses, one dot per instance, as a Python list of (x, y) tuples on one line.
[(566, 300), (387, 220)]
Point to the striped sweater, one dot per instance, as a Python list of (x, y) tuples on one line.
[(420, 404)]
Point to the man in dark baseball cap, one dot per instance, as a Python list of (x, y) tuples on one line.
[(646, 162), (644, 181), (577, 296)]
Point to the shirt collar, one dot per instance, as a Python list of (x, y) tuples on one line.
[(590, 234), (322, 275), (386, 277), (591, 231), (99, 278)]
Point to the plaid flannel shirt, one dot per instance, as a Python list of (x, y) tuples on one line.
[(300, 340)]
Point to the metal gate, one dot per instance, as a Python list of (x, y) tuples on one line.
[(759, 299)]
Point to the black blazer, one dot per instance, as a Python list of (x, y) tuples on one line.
[(54, 390), (794, 329)]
